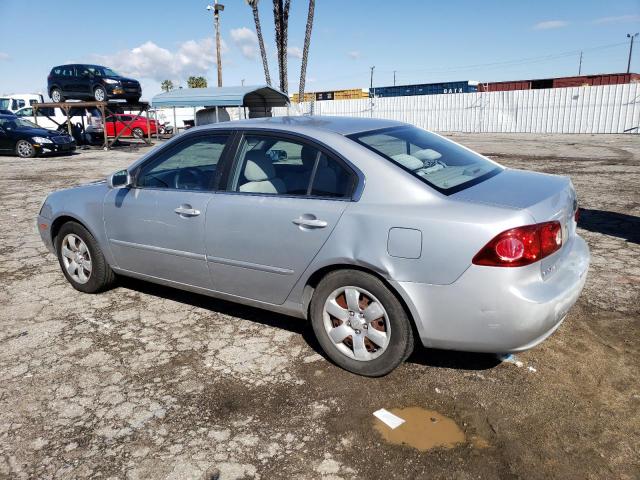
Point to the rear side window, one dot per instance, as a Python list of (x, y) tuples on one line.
[(269, 165), (441, 163)]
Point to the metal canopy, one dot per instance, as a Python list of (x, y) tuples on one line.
[(249, 96)]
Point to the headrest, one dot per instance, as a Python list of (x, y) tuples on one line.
[(427, 155), (308, 155), (259, 169), (408, 161)]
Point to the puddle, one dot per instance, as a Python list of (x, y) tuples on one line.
[(423, 429)]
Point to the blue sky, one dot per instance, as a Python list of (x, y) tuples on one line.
[(423, 41)]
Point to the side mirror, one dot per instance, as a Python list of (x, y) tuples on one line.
[(119, 179)]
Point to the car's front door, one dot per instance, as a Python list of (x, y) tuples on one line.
[(156, 227), (282, 199), (6, 143)]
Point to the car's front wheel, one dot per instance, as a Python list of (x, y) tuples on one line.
[(138, 132), (24, 149), (81, 259), (360, 324), (100, 94)]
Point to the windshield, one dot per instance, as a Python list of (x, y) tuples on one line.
[(102, 71), (16, 124), (5, 103), (441, 163)]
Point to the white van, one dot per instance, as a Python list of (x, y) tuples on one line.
[(54, 118), (13, 103)]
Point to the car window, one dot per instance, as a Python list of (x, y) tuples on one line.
[(271, 166), (25, 112), (125, 118), (332, 179), (191, 165), (441, 163), (268, 165)]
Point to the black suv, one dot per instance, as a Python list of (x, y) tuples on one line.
[(90, 82)]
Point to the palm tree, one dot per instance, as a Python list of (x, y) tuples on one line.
[(256, 18), (305, 50), (166, 85), (281, 20)]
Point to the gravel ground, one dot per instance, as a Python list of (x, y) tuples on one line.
[(146, 382)]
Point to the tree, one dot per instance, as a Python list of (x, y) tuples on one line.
[(197, 82), (263, 53), (281, 20), (305, 50), (166, 85)]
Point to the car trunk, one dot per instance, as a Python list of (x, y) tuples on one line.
[(545, 197)]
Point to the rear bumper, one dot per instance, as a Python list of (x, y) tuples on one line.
[(491, 309)]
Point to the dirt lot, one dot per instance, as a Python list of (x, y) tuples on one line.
[(145, 382)]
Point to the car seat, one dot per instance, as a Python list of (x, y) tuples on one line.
[(261, 175)]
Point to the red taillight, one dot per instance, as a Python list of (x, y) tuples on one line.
[(576, 216), (521, 246)]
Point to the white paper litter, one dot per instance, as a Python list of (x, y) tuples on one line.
[(390, 420)]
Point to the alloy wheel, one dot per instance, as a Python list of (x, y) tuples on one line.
[(25, 149), (357, 323), (76, 258), (99, 95)]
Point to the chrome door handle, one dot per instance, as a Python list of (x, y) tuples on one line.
[(310, 222), (187, 211)]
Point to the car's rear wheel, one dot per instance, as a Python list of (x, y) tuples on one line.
[(81, 259), (24, 149), (56, 95), (138, 132), (100, 94), (360, 323)]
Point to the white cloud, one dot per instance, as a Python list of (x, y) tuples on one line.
[(549, 24), (620, 19), (154, 62), (4, 56), (246, 40), (294, 52), (354, 54)]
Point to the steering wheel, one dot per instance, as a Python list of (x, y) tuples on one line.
[(188, 178)]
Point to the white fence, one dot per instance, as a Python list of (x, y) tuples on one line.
[(601, 109)]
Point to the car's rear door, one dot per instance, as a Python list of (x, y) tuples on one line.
[(265, 226), (156, 228)]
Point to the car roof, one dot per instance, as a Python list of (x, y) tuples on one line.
[(340, 125)]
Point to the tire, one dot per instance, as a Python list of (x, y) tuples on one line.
[(56, 95), (138, 132), (100, 94), (24, 149), (379, 358), (98, 276)]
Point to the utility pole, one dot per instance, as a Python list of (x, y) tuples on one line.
[(580, 64), (371, 91), (217, 8), (394, 78), (631, 36)]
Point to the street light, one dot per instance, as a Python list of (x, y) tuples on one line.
[(631, 36), (217, 8)]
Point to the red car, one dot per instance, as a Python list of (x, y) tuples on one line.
[(117, 123)]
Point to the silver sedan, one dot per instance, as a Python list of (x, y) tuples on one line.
[(377, 232)]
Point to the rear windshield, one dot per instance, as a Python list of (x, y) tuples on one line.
[(441, 163)]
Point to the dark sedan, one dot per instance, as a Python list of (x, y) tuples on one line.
[(26, 140)]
